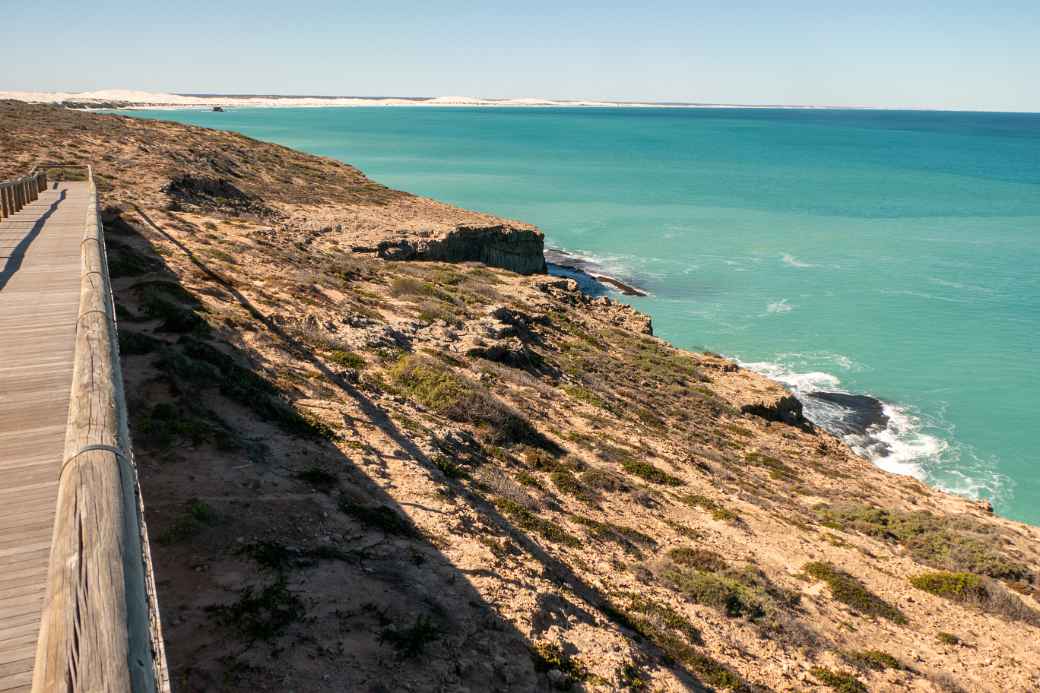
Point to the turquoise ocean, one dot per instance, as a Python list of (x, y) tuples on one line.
[(893, 254)]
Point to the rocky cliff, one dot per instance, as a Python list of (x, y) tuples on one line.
[(371, 475)]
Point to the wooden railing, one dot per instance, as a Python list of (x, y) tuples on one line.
[(15, 194), (100, 628)]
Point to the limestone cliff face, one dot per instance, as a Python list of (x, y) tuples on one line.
[(518, 249)]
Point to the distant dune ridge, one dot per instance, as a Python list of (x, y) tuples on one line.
[(129, 98)]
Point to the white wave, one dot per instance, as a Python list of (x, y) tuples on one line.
[(800, 383), (792, 261), (906, 447), (909, 443), (781, 306)]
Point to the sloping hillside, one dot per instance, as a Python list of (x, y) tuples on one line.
[(365, 469)]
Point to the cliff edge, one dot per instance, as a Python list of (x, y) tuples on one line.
[(379, 451)]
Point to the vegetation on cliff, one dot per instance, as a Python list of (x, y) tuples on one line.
[(365, 473)]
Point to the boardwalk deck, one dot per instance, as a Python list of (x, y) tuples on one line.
[(39, 300)]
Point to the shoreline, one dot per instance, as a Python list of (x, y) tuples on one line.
[(886, 434)]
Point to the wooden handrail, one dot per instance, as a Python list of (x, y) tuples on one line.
[(18, 192), (100, 627)]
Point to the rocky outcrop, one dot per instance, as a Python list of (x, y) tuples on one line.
[(513, 248), (784, 409), (600, 308)]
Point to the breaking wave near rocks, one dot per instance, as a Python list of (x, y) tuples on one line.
[(894, 437)]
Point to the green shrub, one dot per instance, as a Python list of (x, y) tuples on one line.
[(872, 659), (723, 593), (528, 521), (347, 359), (197, 516), (410, 641), (460, 399), (959, 587), (627, 538), (674, 634), (410, 286), (948, 638), (850, 591), (958, 543), (204, 364), (777, 469), (649, 472), (449, 467), (261, 615), (718, 512), (977, 591), (539, 459), (603, 480), (838, 680), (569, 484), (700, 559)]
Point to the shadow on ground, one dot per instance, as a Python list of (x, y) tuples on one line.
[(282, 562)]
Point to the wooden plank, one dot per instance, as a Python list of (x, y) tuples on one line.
[(39, 299)]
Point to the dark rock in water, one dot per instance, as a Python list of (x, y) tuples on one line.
[(786, 410), (218, 109), (858, 415)]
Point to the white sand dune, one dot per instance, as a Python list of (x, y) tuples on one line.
[(129, 98), (140, 99)]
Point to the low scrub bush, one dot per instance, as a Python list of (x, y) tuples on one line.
[(977, 591), (777, 469), (675, 636), (718, 512), (206, 365), (958, 543), (460, 399), (872, 659), (851, 592), (347, 359), (729, 596), (699, 559), (263, 614), (410, 641), (604, 480), (527, 520), (957, 586), (648, 472), (547, 656), (627, 538), (840, 681)]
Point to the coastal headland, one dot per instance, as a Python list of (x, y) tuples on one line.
[(381, 449)]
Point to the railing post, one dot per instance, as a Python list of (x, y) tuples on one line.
[(3, 201)]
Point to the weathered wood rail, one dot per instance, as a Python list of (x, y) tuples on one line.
[(99, 626), (15, 194)]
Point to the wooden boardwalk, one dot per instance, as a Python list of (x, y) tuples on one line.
[(39, 301)]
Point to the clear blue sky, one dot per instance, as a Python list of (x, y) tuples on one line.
[(946, 54)]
